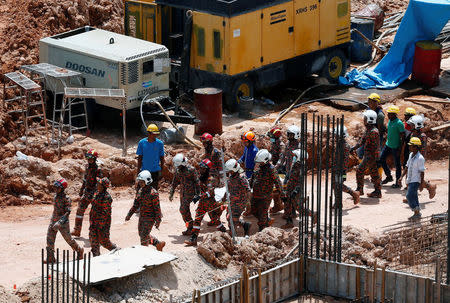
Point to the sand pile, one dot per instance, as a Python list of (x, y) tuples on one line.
[(7, 297)]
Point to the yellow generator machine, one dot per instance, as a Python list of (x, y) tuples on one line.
[(245, 45)]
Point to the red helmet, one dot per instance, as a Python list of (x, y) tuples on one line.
[(104, 181), (92, 153), (206, 163), (206, 137), (274, 132), (61, 183), (248, 136)]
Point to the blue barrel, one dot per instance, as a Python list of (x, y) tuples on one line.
[(361, 51)]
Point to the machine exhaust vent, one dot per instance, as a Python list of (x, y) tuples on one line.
[(133, 74), (123, 74)]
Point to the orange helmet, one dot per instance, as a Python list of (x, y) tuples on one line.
[(248, 136), (206, 137), (274, 132), (92, 153)]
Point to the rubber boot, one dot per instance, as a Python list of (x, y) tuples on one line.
[(431, 189), (159, 245), (355, 196), (221, 228), (387, 180), (246, 227), (192, 241), (50, 256), (277, 204), (375, 194), (188, 231), (360, 190), (289, 224), (77, 228)]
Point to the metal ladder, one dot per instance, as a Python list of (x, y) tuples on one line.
[(29, 97), (67, 107)]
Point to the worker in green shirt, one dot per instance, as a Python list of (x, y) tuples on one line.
[(393, 146)]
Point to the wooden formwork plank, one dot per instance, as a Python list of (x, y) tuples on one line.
[(320, 281), (421, 290), (400, 288), (445, 293), (358, 283), (390, 285), (411, 289)]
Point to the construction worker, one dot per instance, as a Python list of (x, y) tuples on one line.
[(409, 112), (276, 148), (206, 202), (345, 168), (262, 183), (293, 135), (150, 210), (374, 102), (415, 172), (239, 194), (212, 154), (60, 222), (100, 218), (394, 143), (150, 152), (250, 150), (293, 189), (371, 144), (186, 176), (87, 191), (417, 123)]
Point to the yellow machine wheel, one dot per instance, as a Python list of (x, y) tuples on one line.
[(335, 65), (241, 87)]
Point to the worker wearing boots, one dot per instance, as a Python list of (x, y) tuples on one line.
[(345, 168), (100, 218), (60, 222), (293, 135), (185, 176), (415, 176), (374, 102), (276, 148), (417, 124), (263, 181), (150, 210), (409, 112), (206, 202), (294, 189), (248, 159), (239, 194), (87, 191), (371, 142), (394, 143)]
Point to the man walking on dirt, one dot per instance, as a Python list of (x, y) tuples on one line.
[(150, 152)]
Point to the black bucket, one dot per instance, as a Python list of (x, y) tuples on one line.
[(245, 107)]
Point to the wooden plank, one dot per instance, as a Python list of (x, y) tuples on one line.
[(443, 126), (260, 297), (383, 284), (411, 289), (358, 282), (421, 290), (374, 283), (442, 101)]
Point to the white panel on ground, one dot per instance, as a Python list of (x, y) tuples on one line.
[(121, 263)]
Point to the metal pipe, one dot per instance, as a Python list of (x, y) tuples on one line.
[(341, 167), (68, 277), (327, 157), (305, 181), (336, 192)]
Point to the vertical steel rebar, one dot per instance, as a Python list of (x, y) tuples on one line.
[(319, 185), (57, 275), (51, 279), (311, 205), (63, 276), (327, 157), (305, 176), (42, 275), (67, 277), (336, 179), (84, 276), (341, 180), (73, 277), (88, 277), (78, 278), (330, 225), (300, 221)]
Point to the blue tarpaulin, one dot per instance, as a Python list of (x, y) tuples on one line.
[(423, 20)]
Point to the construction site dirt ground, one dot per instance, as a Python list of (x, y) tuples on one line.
[(23, 228)]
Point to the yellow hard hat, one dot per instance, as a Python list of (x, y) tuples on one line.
[(375, 97), (152, 128), (393, 109), (410, 111), (415, 141)]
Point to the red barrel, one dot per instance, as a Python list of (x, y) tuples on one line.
[(427, 63), (208, 109)]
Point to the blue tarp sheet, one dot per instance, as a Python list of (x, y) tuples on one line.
[(423, 20)]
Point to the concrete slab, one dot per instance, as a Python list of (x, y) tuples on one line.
[(121, 263), (445, 64)]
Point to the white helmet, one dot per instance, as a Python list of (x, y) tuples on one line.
[(298, 155), (263, 156), (294, 129), (234, 166), (179, 160), (145, 176), (417, 121), (345, 131), (371, 116)]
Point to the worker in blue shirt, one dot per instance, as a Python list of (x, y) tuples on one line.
[(250, 150), (150, 152)]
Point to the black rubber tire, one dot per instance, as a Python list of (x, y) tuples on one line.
[(232, 98), (335, 56)]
